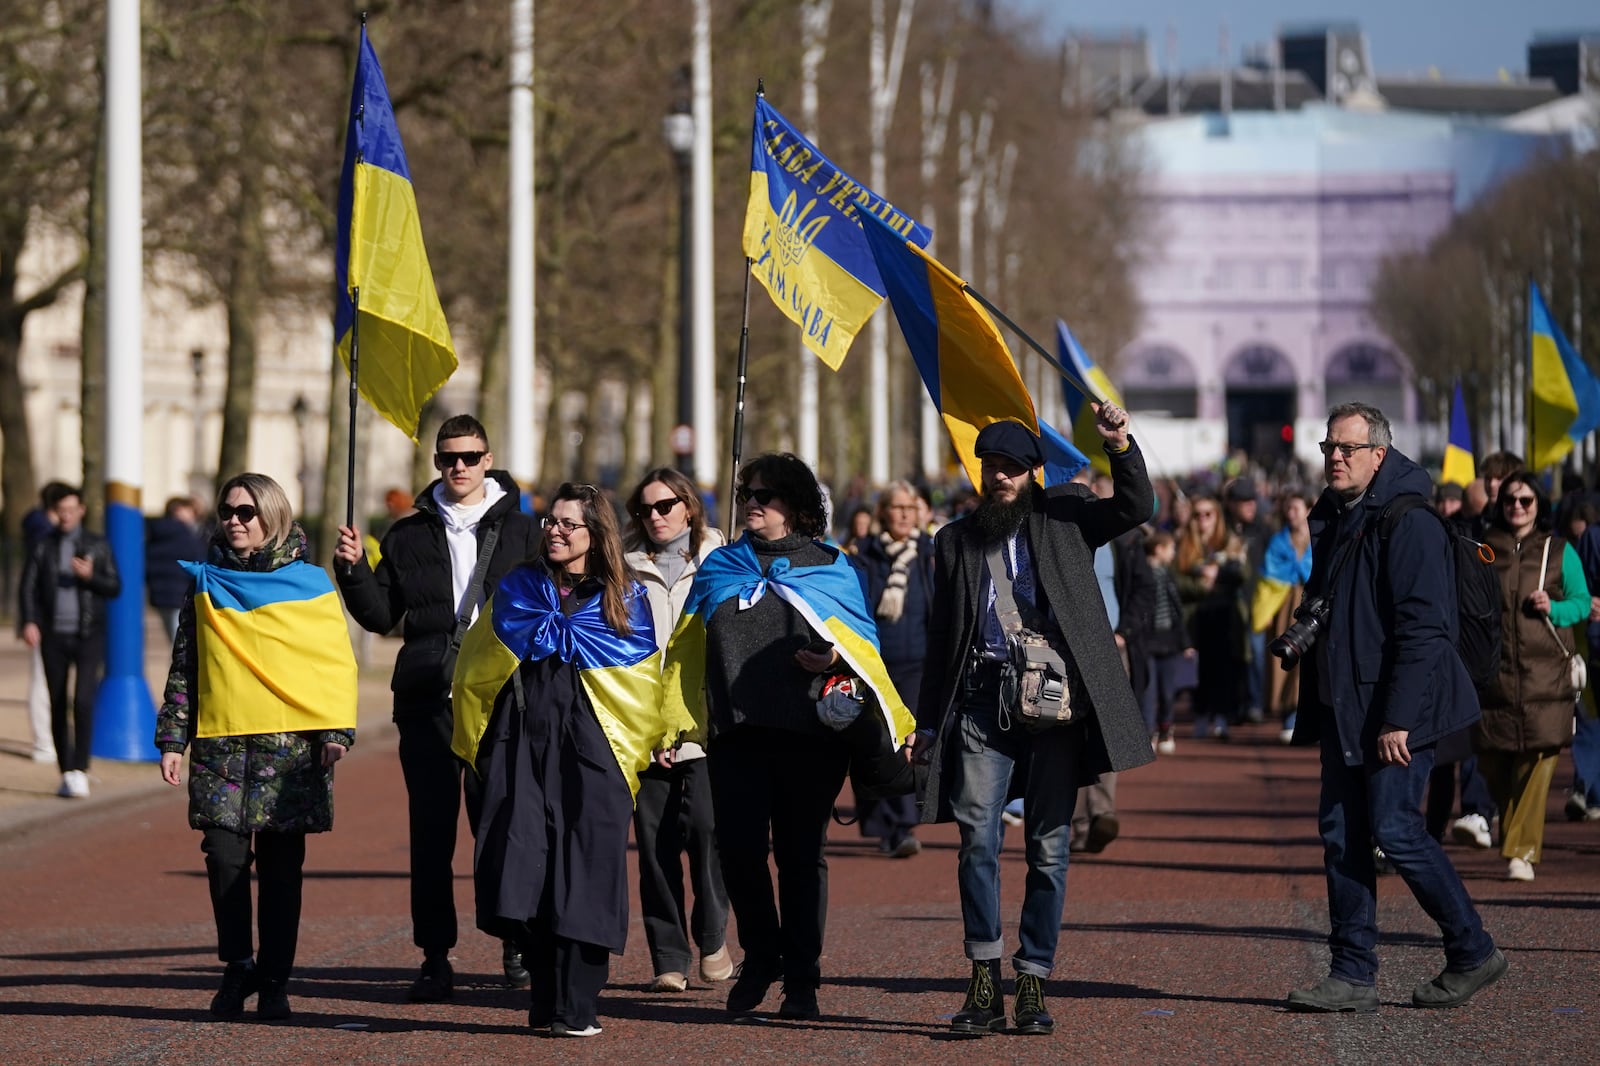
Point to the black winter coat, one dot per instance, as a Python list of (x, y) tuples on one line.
[(40, 574), (413, 582), (1390, 638), (1063, 532)]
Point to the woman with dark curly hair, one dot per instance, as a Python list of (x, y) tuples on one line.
[(769, 617)]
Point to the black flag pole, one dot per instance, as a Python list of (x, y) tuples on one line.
[(355, 375), (744, 366), (1072, 377)]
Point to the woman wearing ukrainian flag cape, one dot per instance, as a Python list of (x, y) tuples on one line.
[(557, 708), (739, 662), (262, 691)]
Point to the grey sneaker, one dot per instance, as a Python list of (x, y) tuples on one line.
[(1453, 989), (1333, 996)]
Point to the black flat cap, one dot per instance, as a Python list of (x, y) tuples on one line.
[(1011, 439)]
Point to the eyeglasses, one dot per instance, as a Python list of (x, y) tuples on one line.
[(660, 507), (1346, 450), (245, 512), (447, 460), (566, 525), (1521, 501), (761, 496)]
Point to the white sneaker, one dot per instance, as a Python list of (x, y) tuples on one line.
[(65, 791), (563, 1029), (1519, 870), (1166, 747), (77, 783), (1471, 829)]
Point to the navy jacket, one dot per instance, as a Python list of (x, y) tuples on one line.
[(169, 541), (1390, 638)]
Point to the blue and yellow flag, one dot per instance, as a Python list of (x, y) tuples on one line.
[(1062, 460), (963, 360), (1566, 396), (1459, 467), (621, 676), (406, 351), (1083, 381), (1281, 570), (802, 233), (274, 651), (829, 598)]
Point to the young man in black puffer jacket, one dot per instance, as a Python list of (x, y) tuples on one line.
[(424, 573)]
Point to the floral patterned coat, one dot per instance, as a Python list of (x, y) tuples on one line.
[(266, 782)]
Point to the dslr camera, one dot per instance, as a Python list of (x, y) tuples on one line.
[(1292, 644)]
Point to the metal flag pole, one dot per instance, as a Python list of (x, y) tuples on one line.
[(1071, 377), (744, 366), (355, 376)]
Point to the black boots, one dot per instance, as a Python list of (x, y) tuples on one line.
[(1031, 1017), (436, 982), (239, 982), (984, 1012), (511, 962)]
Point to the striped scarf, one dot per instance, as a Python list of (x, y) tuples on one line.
[(901, 553)]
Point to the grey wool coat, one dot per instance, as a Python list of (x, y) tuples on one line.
[(1065, 528)]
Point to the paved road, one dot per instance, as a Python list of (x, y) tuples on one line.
[(1179, 943)]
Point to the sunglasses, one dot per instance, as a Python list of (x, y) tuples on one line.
[(1346, 450), (1521, 501), (566, 525), (447, 460), (245, 513), (761, 496), (660, 507)]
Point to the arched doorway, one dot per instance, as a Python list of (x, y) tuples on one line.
[(1261, 403), (1158, 380), (1368, 373)]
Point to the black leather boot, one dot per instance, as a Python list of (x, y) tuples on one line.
[(1031, 1017), (984, 1012)]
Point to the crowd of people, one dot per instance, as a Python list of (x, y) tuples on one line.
[(619, 666)]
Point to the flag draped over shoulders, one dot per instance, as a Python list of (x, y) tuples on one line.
[(958, 350), (620, 675), (829, 598), (274, 651), (802, 233), (406, 352)]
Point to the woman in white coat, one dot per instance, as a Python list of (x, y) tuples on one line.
[(667, 539)]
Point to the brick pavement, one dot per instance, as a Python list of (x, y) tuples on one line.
[(1179, 943)]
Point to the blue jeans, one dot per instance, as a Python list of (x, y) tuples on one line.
[(1380, 805), (988, 755), (1586, 759)]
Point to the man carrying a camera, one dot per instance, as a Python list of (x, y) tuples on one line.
[(1382, 684), (984, 679)]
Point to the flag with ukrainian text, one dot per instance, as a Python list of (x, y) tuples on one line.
[(1459, 467), (1566, 396), (958, 350), (274, 651), (802, 233), (619, 673), (1083, 381), (386, 299)]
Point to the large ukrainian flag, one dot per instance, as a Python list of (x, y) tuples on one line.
[(1081, 382), (274, 651), (1566, 396), (405, 347), (621, 676), (963, 360), (802, 232), (829, 598), (1458, 465)]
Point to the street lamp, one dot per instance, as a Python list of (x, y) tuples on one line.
[(678, 130)]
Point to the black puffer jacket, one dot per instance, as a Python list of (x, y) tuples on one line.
[(413, 581)]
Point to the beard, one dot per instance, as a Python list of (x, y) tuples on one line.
[(996, 520)]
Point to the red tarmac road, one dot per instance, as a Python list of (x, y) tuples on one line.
[(1179, 944)]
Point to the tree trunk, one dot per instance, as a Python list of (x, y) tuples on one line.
[(244, 305), (493, 385), (17, 485), (92, 343), (422, 469), (335, 470)]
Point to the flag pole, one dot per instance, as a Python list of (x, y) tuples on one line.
[(1070, 377), (355, 375), (744, 366)]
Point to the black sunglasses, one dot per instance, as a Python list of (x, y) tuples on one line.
[(447, 460), (761, 496), (245, 513), (660, 507), (1347, 450)]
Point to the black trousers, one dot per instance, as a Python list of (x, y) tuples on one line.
[(672, 817), (435, 782), (278, 859), (778, 784), (567, 975), (72, 724)]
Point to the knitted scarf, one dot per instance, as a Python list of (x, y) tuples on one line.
[(901, 553)]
